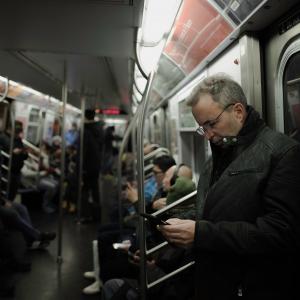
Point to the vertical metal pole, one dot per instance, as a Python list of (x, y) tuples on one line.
[(62, 165), (40, 144), (134, 149), (140, 169), (79, 198), (11, 148), (121, 151)]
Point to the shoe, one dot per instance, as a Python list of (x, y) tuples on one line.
[(89, 275), (47, 236), (94, 288), (39, 245)]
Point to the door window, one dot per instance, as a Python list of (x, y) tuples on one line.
[(291, 94)]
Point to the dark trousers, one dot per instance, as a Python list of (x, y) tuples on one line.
[(12, 219), (14, 186), (90, 186), (114, 263)]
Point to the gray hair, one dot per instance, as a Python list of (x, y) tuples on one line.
[(222, 89)]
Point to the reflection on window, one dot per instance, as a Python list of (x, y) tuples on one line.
[(32, 134), (186, 119), (168, 76), (236, 10), (291, 88), (34, 115)]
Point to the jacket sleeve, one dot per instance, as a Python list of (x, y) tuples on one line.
[(277, 230)]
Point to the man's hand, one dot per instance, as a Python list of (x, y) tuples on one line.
[(179, 232), (159, 203), (132, 194), (17, 151), (135, 259)]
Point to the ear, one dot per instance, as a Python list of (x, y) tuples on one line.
[(239, 112)]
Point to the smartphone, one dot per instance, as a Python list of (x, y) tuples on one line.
[(155, 220)]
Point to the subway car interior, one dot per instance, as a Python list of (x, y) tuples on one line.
[(93, 118)]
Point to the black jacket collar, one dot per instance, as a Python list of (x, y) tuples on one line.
[(224, 155)]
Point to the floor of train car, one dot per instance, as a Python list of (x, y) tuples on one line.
[(49, 281)]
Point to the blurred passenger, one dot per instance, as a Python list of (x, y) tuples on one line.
[(178, 183), (246, 236), (44, 176), (12, 259), (110, 259), (92, 154), (109, 150), (15, 216), (71, 179), (160, 165), (72, 136), (50, 166), (18, 156)]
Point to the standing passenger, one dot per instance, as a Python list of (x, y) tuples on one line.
[(109, 150), (92, 153), (246, 234)]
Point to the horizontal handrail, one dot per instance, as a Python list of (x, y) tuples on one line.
[(156, 248), (29, 145), (155, 152), (34, 157), (177, 202), (5, 154), (148, 168), (156, 282)]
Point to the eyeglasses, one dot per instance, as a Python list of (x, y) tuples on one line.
[(208, 125)]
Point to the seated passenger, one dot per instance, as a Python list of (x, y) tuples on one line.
[(47, 174), (15, 216), (160, 165), (109, 258), (178, 183)]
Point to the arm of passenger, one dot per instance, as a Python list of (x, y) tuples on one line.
[(277, 230), (179, 232), (132, 194), (159, 203)]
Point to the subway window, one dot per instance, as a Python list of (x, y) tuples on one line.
[(291, 93)]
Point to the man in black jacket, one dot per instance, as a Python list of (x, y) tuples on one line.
[(246, 234), (92, 154)]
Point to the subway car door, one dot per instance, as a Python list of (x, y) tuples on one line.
[(282, 77)]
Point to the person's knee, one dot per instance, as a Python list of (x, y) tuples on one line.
[(9, 214), (110, 288)]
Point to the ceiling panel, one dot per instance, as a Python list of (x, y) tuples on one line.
[(96, 38)]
